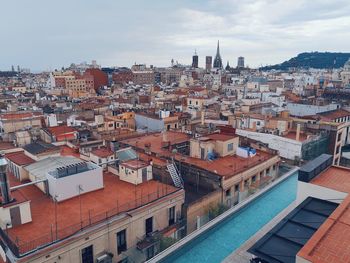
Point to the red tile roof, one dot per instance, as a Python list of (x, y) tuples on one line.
[(227, 166), (331, 242), (135, 164), (60, 130), (6, 146), (154, 141), (19, 158), (19, 115), (103, 152), (334, 114), (335, 177), (117, 196), (220, 137)]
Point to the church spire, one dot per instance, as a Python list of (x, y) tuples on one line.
[(218, 60), (218, 49)]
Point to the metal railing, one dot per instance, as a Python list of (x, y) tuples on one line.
[(20, 247)]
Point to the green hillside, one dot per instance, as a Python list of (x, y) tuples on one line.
[(313, 60)]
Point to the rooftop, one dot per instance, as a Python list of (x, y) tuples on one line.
[(6, 146), (154, 141), (135, 164), (293, 135), (102, 152), (19, 115), (330, 243), (282, 243), (40, 147), (335, 177), (117, 196), (40, 168), (334, 114), (19, 158), (220, 137), (59, 130), (227, 166)]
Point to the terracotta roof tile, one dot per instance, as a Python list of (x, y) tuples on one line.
[(116, 196), (19, 158), (102, 152)]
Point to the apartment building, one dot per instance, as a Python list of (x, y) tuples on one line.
[(12, 122), (90, 215)]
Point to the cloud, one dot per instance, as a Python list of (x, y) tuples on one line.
[(42, 34)]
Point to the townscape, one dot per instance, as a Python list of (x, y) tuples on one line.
[(119, 164), (175, 131)]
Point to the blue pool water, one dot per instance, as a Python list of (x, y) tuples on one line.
[(220, 241)]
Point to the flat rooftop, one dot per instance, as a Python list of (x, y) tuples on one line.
[(155, 141), (117, 196), (335, 177), (331, 242), (229, 165), (282, 243), (292, 135)]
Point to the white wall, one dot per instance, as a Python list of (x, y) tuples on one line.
[(134, 176), (25, 212), (67, 187), (287, 148), (308, 189)]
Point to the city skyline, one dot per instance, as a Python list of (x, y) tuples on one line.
[(44, 36)]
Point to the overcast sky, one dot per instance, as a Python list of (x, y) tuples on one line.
[(44, 34)]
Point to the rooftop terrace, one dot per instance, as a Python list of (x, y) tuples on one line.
[(229, 165), (116, 197), (331, 242)]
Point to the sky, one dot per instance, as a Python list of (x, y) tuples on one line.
[(45, 34)]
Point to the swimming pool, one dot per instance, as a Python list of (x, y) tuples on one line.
[(217, 243)]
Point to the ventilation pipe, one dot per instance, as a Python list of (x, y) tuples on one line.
[(4, 185)]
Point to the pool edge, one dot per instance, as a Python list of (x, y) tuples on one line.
[(178, 245)]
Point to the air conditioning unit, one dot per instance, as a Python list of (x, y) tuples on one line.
[(105, 258)]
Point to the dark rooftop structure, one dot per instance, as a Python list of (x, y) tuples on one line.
[(313, 168), (282, 243), (40, 147)]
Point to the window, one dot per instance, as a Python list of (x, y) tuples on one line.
[(228, 192), (196, 102), (87, 255), (190, 101), (254, 178), (246, 182), (230, 147), (171, 215), (99, 160), (149, 225), (121, 241), (236, 187)]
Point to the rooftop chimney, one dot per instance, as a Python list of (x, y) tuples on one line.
[(297, 136), (202, 117), (4, 185)]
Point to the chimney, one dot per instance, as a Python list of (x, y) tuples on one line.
[(297, 137), (4, 185), (202, 117), (164, 136), (254, 126)]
